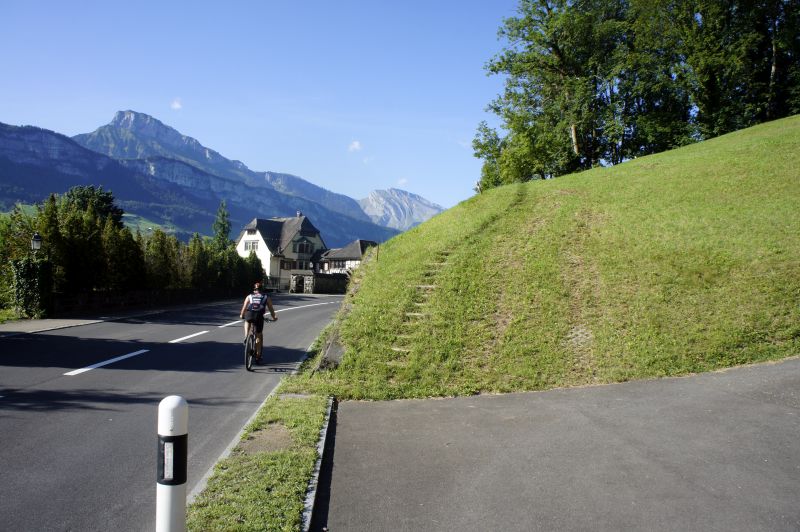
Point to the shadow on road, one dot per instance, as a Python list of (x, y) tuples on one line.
[(21, 389), (319, 519)]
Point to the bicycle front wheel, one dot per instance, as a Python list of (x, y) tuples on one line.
[(249, 352)]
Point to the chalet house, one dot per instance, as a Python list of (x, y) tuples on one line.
[(289, 249), (343, 260)]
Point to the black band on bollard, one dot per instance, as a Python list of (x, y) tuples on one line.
[(173, 455)]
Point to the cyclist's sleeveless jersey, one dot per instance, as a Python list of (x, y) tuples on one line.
[(255, 309), (257, 301)]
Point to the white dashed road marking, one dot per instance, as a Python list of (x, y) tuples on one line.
[(105, 363)]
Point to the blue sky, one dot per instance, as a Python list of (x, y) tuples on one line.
[(350, 95)]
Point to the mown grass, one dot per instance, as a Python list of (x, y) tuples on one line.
[(682, 262), (262, 484)]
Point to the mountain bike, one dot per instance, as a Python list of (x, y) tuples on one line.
[(250, 347)]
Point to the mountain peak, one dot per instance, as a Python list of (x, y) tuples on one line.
[(128, 119), (133, 135), (145, 125), (398, 209)]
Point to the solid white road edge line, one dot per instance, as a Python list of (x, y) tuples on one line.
[(306, 306), (281, 310), (105, 363), (186, 337)]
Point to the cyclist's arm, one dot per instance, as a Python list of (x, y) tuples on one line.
[(244, 306), (271, 310)]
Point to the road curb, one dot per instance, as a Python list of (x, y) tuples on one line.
[(313, 484)]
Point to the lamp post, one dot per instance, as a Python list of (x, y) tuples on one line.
[(36, 242), (32, 282)]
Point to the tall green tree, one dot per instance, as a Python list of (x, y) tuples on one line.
[(161, 261), (199, 263), (253, 268), (593, 82), (744, 58), (222, 228), (83, 198), (560, 91), (124, 261), (83, 262)]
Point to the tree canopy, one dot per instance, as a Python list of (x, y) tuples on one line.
[(89, 249), (595, 82)]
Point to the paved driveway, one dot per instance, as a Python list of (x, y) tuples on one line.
[(718, 451)]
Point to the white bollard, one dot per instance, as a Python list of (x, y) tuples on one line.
[(173, 429)]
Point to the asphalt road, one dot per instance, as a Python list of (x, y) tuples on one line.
[(78, 444)]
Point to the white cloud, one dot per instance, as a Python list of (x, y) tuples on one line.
[(402, 182), (176, 104), (354, 146)]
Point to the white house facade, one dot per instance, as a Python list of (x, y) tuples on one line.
[(287, 247), (346, 259)]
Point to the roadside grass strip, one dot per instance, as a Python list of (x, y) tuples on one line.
[(264, 483)]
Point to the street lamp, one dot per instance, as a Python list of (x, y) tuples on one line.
[(36, 242)]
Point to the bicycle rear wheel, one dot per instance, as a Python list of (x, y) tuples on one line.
[(249, 352)]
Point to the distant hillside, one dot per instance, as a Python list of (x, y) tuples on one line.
[(132, 135), (35, 162), (398, 209), (680, 262)]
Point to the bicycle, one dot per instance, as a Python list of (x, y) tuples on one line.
[(250, 343), (250, 347)]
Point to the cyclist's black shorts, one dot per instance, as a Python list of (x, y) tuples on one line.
[(254, 316)]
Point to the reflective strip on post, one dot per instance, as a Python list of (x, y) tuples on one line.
[(173, 453), (173, 438)]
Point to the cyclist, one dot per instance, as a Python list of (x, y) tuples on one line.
[(253, 309)]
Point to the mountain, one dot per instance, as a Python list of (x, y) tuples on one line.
[(35, 162), (132, 135), (398, 209)]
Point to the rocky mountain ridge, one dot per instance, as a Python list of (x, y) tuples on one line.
[(398, 209), (35, 162), (133, 135)]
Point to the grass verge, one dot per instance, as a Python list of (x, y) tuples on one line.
[(678, 263), (681, 262), (262, 484)]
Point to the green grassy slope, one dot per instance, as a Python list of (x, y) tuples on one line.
[(681, 262)]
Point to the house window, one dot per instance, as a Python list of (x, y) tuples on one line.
[(304, 247), (251, 232), (251, 245)]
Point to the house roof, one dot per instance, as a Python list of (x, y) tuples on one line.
[(278, 233), (352, 251)]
